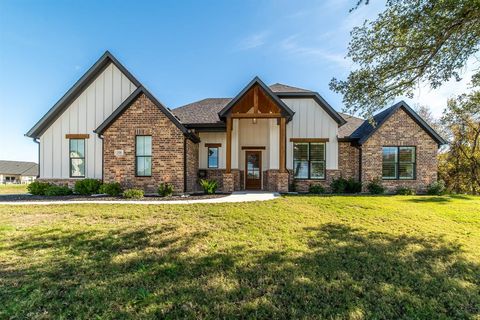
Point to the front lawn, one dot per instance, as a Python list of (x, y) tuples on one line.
[(13, 188), (296, 257)]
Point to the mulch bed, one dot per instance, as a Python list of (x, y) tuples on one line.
[(27, 197)]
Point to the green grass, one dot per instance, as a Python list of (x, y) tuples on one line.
[(296, 257), (13, 188)]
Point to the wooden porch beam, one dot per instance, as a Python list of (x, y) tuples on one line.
[(283, 126), (229, 146), (255, 115), (255, 100)]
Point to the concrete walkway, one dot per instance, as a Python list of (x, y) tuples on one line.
[(240, 196)]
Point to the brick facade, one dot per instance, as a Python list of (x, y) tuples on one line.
[(348, 160), (192, 166), (411, 134), (302, 185), (143, 117)]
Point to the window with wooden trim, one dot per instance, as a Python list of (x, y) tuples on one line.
[(77, 158), (399, 163), (212, 154), (143, 156), (309, 160)]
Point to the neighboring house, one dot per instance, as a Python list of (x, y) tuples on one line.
[(18, 171), (108, 126)]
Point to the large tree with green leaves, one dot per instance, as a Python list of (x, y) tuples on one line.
[(411, 42)]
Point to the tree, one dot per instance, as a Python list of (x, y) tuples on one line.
[(412, 41), (460, 166)]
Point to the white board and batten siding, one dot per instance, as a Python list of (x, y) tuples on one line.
[(84, 115), (312, 121)]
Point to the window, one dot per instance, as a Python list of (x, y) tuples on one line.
[(399, 163), (77, 158), (213, 157), (143, 156), (309, 160)]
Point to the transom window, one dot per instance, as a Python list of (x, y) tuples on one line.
[(213, 157), (143, 156), (309, 160), (399, 163), (77, 158)]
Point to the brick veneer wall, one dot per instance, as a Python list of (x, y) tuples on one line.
[(144, 118), (302, 185), (400, 130), (192, 166), (348, 160), (217, 175), (60, 182)]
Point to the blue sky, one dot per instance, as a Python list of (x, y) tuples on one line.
[(181, 51)]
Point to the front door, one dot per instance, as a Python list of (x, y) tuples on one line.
[(253, 170)]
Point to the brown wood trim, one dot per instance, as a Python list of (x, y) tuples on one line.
[(256, 115), (253, 148), (282, 149), (213, 145), (309, 139), (77, 136), (228, 168), (260, 171)]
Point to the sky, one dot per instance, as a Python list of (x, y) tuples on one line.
[(182, 51)]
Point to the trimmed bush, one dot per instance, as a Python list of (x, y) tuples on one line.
[(113, 189), (375, 187), (38, 188), (338, 185), (133, 194), (55, 191), (436, 188), (87, 186), (316, 189), (405, 191), (209, 186), (165, 189), (342, 185)]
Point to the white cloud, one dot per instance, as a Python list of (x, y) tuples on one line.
[(253, 41)]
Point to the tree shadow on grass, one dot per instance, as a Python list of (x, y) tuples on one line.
[(155, 272)]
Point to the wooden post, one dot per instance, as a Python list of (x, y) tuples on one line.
[(255, 100), (283, 125), (229, 145)]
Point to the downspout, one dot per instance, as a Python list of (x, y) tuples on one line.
[(38, 142), (103, 151)]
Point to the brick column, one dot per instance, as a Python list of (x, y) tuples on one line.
[(228, 182), (282, 182)]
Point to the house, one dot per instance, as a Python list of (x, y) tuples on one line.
[(17, 171), (109, 126)]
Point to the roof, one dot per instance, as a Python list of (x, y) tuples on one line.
[(124, 106), (18, 168), (279, 87), (363, 132), (202, 112), (76, 90), (286, 111), (352, 123)]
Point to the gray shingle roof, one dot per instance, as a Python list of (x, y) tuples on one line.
[(352, 124), (280, 87), (18, 167), (203, 111)]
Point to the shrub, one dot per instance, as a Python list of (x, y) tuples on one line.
[(133, 194), (38, 188), (342, 185), (58, 191), (353, 186), (375, 187), (436, 188), (338, 185), (209, 186), (87, 186), (405, 191), (316, 189), (113, 189), (165, 189)]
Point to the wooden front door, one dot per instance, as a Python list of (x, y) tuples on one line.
[(253, 170)]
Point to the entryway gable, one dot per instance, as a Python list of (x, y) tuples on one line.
[(256, 100)]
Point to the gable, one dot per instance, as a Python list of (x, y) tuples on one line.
[(104, 86)]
